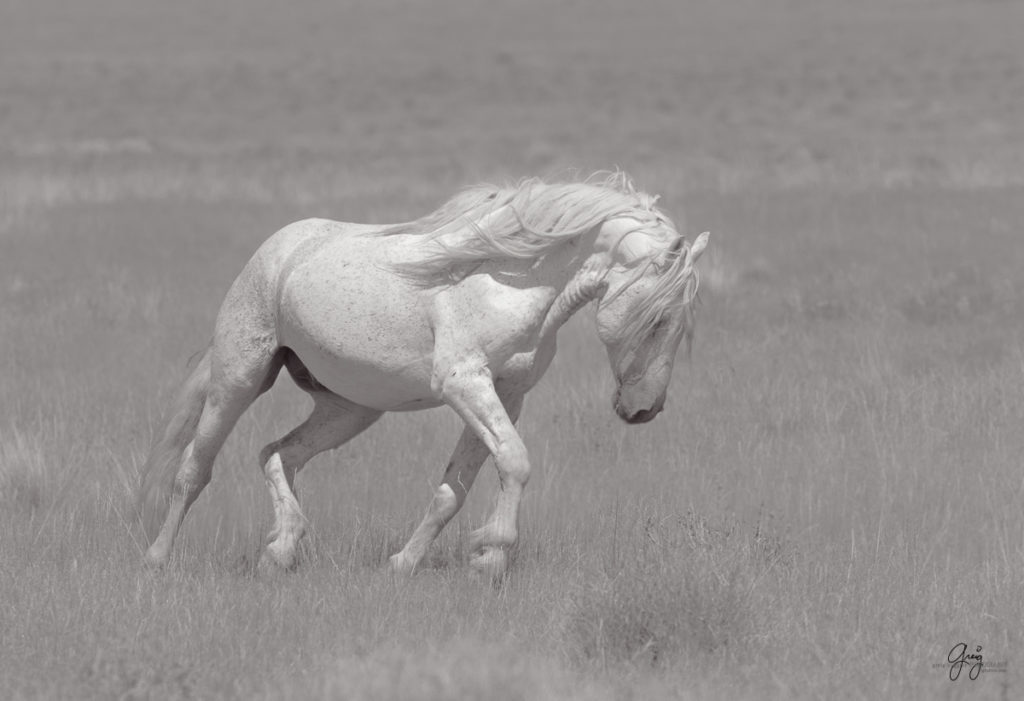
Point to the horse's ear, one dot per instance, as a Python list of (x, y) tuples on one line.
[(696, 249)]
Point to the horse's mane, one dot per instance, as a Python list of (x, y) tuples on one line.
[(522, 221), (527, 220)]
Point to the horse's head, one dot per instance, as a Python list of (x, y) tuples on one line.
[(646, 310)]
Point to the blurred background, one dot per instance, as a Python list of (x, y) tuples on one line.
[(378, 109)]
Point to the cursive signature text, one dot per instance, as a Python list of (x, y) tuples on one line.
[(958, 658)]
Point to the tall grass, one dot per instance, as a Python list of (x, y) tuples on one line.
[(830, 501)]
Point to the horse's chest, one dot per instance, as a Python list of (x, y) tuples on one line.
[(491, 319), (525, 368), (519, 366)]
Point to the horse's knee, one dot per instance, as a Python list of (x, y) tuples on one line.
[(189, 483), (445, 503), (513, 463)]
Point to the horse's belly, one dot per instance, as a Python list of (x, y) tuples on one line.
[(388, 381), (360, 331)]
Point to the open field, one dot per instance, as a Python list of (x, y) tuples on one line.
[(832, 499)]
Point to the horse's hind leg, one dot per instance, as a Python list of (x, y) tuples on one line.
[(236, 379), (333, 421)]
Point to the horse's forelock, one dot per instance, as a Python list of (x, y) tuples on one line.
[(674, 291)]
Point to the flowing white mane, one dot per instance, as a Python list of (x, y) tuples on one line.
[(527, 220), (523, 221)]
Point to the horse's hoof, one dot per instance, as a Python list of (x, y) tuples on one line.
[(492, 563), (153, 563), (271, 565), (267, 567), (400, 566)]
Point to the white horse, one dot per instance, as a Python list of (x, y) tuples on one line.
[(461, 308)]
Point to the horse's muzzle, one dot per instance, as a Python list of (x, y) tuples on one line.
[(636, 416)]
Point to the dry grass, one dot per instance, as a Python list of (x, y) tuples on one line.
[(679, 589), (832, 499), (827, 493)]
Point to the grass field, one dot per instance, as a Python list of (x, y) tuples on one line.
[(832, 499)]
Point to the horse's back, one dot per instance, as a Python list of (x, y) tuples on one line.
[(291, 244)]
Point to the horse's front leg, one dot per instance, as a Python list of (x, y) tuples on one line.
[(470, 391), (469, 455)]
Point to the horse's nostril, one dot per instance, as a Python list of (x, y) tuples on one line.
[(643, 416)]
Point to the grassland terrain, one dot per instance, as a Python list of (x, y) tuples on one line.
[(832, 499)]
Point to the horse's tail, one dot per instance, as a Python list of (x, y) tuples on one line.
[(165, 458)]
